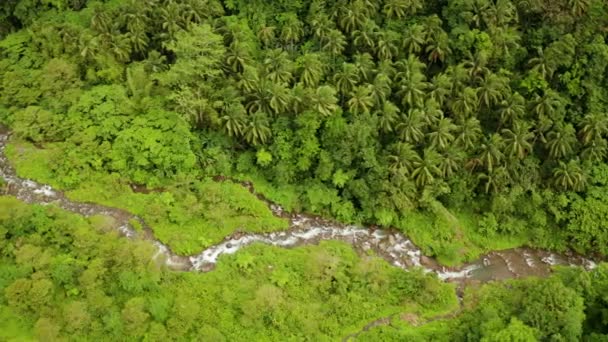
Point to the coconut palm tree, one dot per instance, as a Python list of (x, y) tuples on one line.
[(426, 169), (361, 100), (292, 29), (561, 141), (346, 78), (267, 35), (386, 45), (491, 152), (381, 88), (440, 88), (397, 9), (353, 16), (595, 151), (441, 135), (465, 103), (238, 57), (593, 127), (233, 120), (492, 89), (365, 37), (411, 128), (365, 65), (468, 133), (311, 69), (517, 140), (570, 176), (450, 161), (334, 42), (578, 7), (512, 108), (277, 66), (257, 130), (325, 101), (414, 38), (402, 158), (439, 48), (388, 116), (543, 65)]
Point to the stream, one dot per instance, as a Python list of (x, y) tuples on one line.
[(389, 244)]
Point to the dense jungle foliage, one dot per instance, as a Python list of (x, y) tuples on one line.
[(366, 111), (471, 125)]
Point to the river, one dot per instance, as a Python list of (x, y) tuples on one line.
[(390, 244)]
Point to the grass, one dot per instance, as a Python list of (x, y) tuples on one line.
[(453, 237), (187, 217), (323, 292)]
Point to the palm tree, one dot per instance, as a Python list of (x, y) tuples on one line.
[(492, 89), (414, 39), (402, 158), (347, 78), (361, 100), (237, 57), (386, 47), (517, 140), (277, 66), (365, 65), (578, 7), (325, 101), (440, 88), (411, 89), (381, 88), (233, 120), (476, 65), (353, 16), (387, 116), (561, 141), (411, 128), (491, 152), (432, 112), (300, 98), (469, 133), (495, 180), (542, 64), (548, 104), (512, 108), (426, 169), (439, 48), (139, 40), (279, 98), (595, 151), (441, 135), (593, 127), (334, 43), (311, 69), (292, 29), (570, 176), (498, 14), (465, 103), (257, 131), (365, 37), (397, 9), (450, 161), (100, 20), (321, 24), (266, 35)]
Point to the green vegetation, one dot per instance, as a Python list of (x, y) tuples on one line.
[(470, 125), (63, 277), (485, 118), (188, 216), (568, 306)]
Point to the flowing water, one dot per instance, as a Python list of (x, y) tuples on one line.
[(389, 244)]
